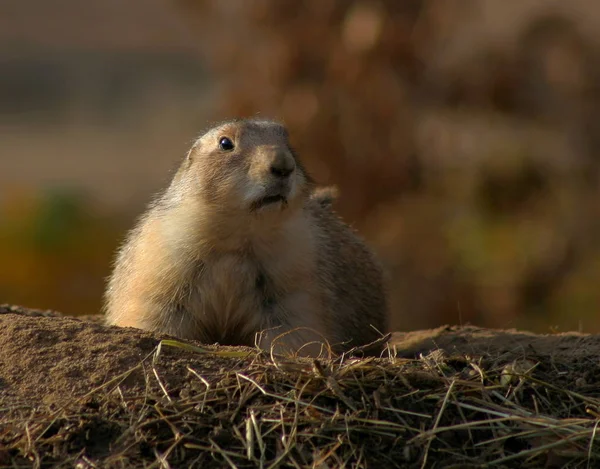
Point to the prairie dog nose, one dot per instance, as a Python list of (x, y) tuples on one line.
[(282, 164)]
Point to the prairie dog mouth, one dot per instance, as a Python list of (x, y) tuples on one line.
[(269, 200)]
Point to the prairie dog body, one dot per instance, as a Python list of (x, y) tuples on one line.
[(242, 248)]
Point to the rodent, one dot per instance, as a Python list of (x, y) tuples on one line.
[(243, 248)]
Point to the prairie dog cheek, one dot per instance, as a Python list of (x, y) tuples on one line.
[(251, 190), (230, 189)]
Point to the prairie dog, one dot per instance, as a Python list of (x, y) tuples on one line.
[(242, 248)]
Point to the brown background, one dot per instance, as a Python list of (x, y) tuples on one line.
[(463, 135)]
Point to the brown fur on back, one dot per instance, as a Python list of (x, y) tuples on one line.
[(213, 260)]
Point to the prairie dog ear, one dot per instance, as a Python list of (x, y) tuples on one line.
[(192, 149), (325, 195)]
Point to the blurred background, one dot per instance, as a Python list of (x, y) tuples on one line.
[(464, 136)]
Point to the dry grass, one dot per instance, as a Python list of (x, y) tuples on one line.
[(265, 411)]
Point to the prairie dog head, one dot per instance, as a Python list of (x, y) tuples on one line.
[(245, 167)]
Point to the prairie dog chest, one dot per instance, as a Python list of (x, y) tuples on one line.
[(228, 276), (250, 282)]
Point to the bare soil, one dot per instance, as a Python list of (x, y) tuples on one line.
[(74, 392)]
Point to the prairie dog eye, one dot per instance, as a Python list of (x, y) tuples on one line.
[(226, 144)]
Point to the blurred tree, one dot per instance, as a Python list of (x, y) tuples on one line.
[(475, 178)]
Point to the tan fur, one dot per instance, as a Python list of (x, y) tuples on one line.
[(208, 262)]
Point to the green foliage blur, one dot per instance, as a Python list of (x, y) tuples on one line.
[(56, 251)]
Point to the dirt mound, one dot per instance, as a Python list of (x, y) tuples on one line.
[(74, 392), (570, 347)]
